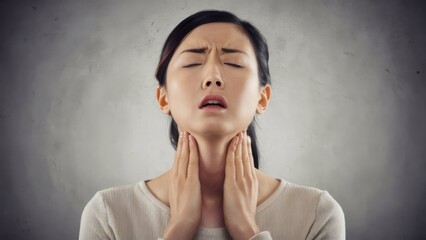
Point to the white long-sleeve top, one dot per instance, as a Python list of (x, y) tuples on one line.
[(291, 212)]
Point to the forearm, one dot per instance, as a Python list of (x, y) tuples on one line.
[(179, 231)]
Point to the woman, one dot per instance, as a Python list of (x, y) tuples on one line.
[(213, 79)]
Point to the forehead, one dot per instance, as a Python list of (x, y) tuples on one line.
[(217, 35)]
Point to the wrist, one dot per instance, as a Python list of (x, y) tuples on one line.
[(179, 231), (244, 232)]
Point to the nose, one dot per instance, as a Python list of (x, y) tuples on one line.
[(213, 77), (207, 83)]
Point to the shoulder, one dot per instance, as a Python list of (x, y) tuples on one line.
[(122, 212), (95, 219), (112, 200), (119, 192), (107, 198), (328, 218), (116, 195), (299, 191), (302, 212), (321, 200), (293, 201)]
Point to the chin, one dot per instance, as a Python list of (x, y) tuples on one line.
[(214, 129), (218, 130)]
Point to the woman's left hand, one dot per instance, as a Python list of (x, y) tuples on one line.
[(240, 190)]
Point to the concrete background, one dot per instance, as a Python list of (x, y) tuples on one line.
[(78, 110)]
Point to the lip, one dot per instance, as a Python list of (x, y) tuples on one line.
[(214, 97)]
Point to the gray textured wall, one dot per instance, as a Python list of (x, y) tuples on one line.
[(78, 110)]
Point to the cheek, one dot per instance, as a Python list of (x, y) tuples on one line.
[(246, 97), (182, 78), (181, 96), (248, 87), (250, 100)]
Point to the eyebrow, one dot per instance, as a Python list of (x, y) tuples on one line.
[(203, 50)]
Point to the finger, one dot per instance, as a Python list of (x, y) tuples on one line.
[(246, 157), (239, 169), (183, 158), (230, 159), (193, 158), (251, 156), (177, 155)]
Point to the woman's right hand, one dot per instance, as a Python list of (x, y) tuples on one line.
[(184, 191)]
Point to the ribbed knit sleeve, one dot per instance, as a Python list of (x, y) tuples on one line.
[(329, 220), (94, 221), (265, 235)]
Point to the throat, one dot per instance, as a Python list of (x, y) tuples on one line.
[(212, 199), (212, 161), (212, 213)]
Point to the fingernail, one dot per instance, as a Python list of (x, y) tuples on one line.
[(181, 134), (190, 139), (249, 139)]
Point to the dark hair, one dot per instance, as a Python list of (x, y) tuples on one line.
[(257, 41)]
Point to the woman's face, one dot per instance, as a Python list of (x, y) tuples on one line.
[(214, 59)]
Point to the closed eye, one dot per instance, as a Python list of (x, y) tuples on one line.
[(234, 65), (191, 65)]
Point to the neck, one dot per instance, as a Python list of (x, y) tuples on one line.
[(212, 160)]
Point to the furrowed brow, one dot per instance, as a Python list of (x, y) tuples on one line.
[(230, 50), (204, 50), (195, 50)]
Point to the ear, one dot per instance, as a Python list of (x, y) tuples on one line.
[(265, 95), (162, 99)]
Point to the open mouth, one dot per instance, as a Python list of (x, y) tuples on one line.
[(213, 101)]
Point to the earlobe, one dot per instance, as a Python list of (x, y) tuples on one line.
[(162, 100), (265, 96)]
